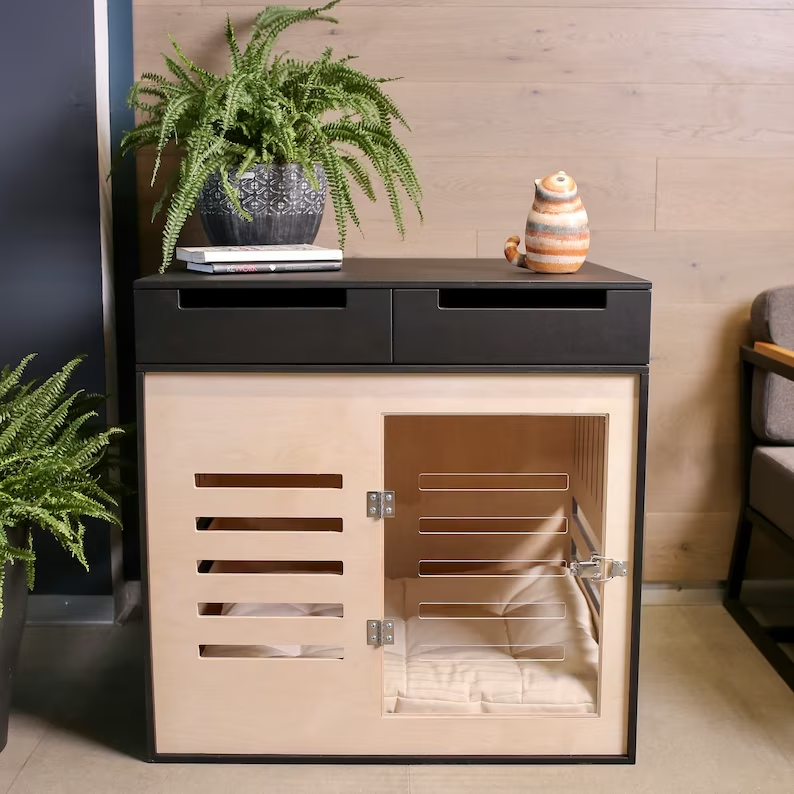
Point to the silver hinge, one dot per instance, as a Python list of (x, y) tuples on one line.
[(380, 504), (380, 632), (599, 569)]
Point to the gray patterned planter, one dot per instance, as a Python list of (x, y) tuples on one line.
[(15, 600), (285, 207)]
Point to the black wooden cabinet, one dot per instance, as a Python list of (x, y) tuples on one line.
[(393, 513)]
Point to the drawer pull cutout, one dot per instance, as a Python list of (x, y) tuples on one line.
[(262, 298), (537, 298)]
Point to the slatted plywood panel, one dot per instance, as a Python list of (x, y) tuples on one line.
[(677, 119)]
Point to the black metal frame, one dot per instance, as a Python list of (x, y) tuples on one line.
[(636, 586), (764, 638)]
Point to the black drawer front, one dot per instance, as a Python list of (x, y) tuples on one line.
[(522, 326), (263, 326)]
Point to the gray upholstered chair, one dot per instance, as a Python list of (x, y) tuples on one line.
[(760, 592)]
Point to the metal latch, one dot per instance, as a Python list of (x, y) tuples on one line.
[(380, 504), (380, 632), (594, 568)]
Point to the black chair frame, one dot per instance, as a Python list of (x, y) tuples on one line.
[(766, 638)]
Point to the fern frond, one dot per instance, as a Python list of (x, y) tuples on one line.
[(360, 174), (9, 379), (271, 108), (231, 193), (234, 48), (48, 464), (274, 20), (173, 112), (184, 78)]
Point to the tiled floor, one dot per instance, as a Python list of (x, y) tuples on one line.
[(713, 718)]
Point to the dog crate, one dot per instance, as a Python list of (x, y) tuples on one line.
[(393, 513)]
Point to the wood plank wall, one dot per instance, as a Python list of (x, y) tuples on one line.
[(676, 117)]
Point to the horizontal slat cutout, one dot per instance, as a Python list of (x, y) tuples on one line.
[(488, 568), (269, 567), (268, 480), (493, 482), (304, 298), (229, 524), (257, 610), (483, 546), (480, 653), (554, 610), (496, 525), (272, 654)]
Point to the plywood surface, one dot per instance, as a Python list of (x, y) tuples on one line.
[(677, 119), (334, 423)]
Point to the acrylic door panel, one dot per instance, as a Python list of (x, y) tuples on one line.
[(487, 616), (273, 541)]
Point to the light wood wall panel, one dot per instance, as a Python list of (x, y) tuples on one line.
[(510, 44), (587, 120), (677, 119), (720, 194)]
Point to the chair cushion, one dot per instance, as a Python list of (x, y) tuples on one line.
[(772, 320), (772, 485)]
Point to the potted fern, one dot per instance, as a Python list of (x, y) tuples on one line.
[(49, 481), (262, 145)]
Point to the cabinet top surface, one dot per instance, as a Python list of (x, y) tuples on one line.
[(406, 273)]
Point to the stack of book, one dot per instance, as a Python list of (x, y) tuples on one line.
[(225, 259)]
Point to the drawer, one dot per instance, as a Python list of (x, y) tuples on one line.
[(522, 326), (324, 325)]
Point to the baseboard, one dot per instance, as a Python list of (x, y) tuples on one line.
[(54, 610)]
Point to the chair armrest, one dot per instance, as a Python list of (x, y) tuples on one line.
[(781, 354), (773, 358)]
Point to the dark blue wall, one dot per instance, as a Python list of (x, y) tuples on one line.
[(50, 273)]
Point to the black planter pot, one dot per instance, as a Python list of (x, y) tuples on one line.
[(15, 601), (285, 208)]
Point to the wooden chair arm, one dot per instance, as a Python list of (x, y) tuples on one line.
[(781, 354), (772, 358)]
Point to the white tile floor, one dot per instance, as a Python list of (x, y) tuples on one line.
[(714, 717)]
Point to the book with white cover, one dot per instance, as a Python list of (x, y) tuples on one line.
[(227, 268), (259, 253)]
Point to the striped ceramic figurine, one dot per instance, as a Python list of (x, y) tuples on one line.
[(558, 236)]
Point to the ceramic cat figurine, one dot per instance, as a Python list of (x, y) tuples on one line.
[(558, 236)]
